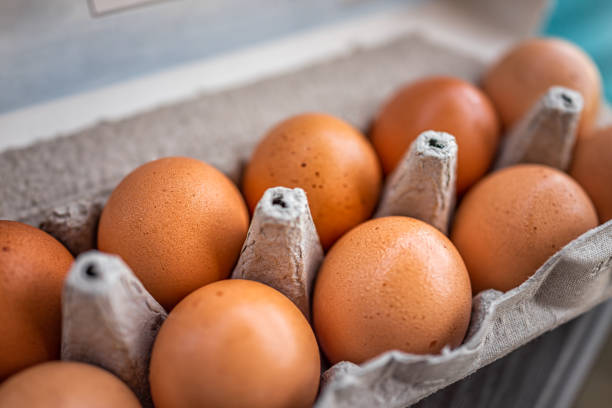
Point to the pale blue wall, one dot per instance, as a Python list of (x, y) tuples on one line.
[(52, 48)]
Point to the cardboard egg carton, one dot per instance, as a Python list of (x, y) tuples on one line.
[(61, 185)]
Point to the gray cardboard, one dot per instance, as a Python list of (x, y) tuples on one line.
[(546, 134), (110, 320), (282, 248), (423, 184)]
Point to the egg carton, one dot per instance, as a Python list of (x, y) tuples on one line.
[(61, 186), (110, 320)]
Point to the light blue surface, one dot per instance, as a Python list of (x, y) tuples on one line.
[(53, 48), (587, 23), (50, 49)]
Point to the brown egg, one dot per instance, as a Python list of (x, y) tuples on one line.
[(443, 104), (235, 343), (393, 283), (513, 220), (592, 168), (529, 69), (178, 223), (33, 266), (326, 157), (63, 384)]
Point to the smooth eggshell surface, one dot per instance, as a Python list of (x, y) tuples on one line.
[(33, 266), (442, 104), (529, 69), (235, 343), (511, 222), (62, 384), (329, 159), (393, 283), (178, 223), (592, 168)]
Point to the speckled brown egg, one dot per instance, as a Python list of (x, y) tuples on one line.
[(513, 220), (531, 67), (33, 266), (178, 223), (393, 283), (443, 104), (326, 157), (63, 384), (235, 343), (592, 168)]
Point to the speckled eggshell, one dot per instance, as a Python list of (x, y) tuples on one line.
[(33, 266), (235, 343), (511, 222), (530, 68), (393, 283), (443, 104), (592, 168), (178, 223), (63, 384), (329, 159)]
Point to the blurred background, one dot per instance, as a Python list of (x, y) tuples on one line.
[(53, 50), (588, 24), (50, 49)]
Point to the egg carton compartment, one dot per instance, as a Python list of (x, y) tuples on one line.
[(61, 186)]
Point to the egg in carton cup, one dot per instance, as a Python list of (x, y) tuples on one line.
[(93, 160)]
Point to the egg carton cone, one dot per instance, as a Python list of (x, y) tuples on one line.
[(282, 248), (61, 183), (546, 134), (423, 184), (110, 320)]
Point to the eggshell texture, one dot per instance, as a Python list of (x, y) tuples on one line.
[(62, 384), (235, 343), (178, 223), (326, 157), (511, 222), (442, 104), (592, 168), (393, 283), (33, 266), (529, 69)]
